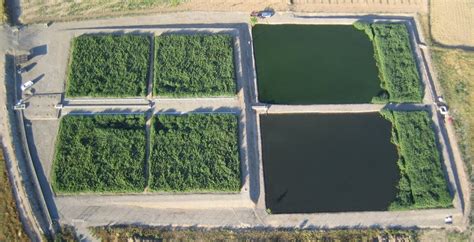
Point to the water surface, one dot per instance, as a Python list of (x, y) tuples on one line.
[(314, 64), (328, 162)]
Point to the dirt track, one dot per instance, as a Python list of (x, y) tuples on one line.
[(42, 11)]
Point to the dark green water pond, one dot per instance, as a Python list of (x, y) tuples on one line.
[(314, 64), (328, 162)]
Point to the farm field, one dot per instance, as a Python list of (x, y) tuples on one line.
[(194, 65), (101, 153), (320, 66), (195, 152), (328, 162), (108, 66), (41, 10), (451, 22), (11, 228)]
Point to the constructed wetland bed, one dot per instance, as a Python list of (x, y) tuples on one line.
[(328, 162), (335, 64), (341, 162), (312, 162)]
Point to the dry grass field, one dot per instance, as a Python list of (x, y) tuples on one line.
[(455, 69), (47, 10), (10, 225), (452, 22), (360, 6)]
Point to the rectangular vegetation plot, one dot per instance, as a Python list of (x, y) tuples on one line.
[(328, 163), (195, 152), (422, 183), (109, 66), (395, 60), (194, 65), (102, 153), (314, 64)]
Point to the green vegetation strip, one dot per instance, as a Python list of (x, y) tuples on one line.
[(395, 60), (196, 152), (422, 183), (101, 153), (194, 65), (109, 66), (124, 233)]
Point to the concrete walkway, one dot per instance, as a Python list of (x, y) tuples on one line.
[(337, 108)]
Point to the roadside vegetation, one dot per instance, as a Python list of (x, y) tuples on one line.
[(456, 76), (125, 233), (3, 11), (109, 66), (422, 182), (67, 233), (11, 228), (394, 57), (195, 152), (194, 65), (100, 153)]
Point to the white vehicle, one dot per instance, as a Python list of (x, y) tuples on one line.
[(266, 14), (440, 99), (448, 219), (443, 110), (26, 85)]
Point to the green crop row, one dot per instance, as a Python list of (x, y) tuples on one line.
[(194, 65), (195, 153), (118, 65), (103, 153), (422, 182), (106, 153), (394, 57), (109, 65)]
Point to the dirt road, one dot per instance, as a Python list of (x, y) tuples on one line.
[(41, 11)]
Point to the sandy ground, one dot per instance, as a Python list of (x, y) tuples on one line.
[(41, 10), (452, 22)]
